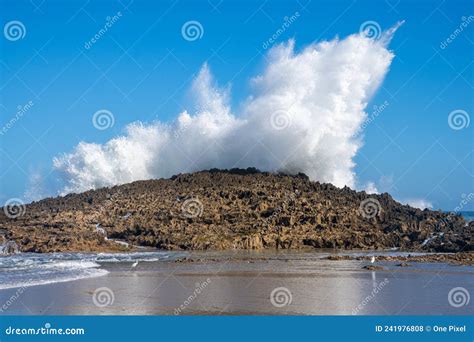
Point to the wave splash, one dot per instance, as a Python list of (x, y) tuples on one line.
[(30, 269), (305, 114)]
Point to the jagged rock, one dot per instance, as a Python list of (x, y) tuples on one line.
[(232, 209), (461, 258), (404, 264), (373, 268), (10, 247)]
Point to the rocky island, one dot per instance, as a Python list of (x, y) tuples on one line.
[(231, 209)]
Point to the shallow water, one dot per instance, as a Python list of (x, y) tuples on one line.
[(30, 269), (468, 215), (275, 283)]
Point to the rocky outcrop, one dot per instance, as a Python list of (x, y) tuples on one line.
[(9, 247), (234, 209), (462, 258)]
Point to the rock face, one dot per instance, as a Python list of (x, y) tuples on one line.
[(235, 209), (10, 247)]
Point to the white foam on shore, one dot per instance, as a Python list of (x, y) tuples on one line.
[(40, 270), (30, 269), (90, 273)]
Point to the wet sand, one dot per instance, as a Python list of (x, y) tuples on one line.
[(257, 284)]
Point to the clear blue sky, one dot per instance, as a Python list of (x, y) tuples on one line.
[(142, 67)]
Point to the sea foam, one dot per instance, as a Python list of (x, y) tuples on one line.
[(305, 113)]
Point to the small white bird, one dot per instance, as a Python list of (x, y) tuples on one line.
[(135, 264), (372, 260)]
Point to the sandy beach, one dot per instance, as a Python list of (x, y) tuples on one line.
[(249, 283)]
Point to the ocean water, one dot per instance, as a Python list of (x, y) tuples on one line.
[(230, 283), (468, 215), (30, 269), (151, 282)]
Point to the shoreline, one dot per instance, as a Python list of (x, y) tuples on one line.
[(231, 284), (459, 258)]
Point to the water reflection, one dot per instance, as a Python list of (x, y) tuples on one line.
[(315, 286)]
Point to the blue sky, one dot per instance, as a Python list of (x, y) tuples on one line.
[(142, 68)]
